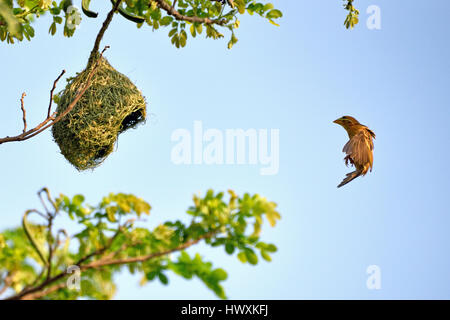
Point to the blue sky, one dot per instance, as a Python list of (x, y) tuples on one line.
[(297, 78)]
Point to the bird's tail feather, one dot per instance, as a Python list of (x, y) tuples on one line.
[(350, 176)]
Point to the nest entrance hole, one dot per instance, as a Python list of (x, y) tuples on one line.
[(132, 120)]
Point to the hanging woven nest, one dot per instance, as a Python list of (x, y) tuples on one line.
[(111, 105)]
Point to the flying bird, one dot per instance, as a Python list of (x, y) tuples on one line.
[(358, 149)]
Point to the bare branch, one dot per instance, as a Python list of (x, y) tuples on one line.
[(51, 93), (24, 112), (58, 241), (100, 34), (49, 199), (37, 212), (30, 236), (45, 292), (50, 246)]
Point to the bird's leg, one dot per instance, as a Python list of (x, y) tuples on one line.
[(348, 159)]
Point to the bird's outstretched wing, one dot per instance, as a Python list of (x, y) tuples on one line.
[(359, 149)]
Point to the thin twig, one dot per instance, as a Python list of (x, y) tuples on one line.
[(50, 246), (100, 34), (24, 112), (58, 241), (38, 213), (49, 199), (51, 93), (43, 202)]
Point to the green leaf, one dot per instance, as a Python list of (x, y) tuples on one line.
[(162, 277), (274, 14), (111, 214), (13, 25), (265, 256), (151, 275), (166, 21), (252, 258), (268, 6), (78, 200), (220, 274), (240, 4), (172, 32), (58, 19), (229, 248), (274, 23), (52, 29), (199, 28), (127, 15), (242, 257), (86, 11), (183, 38)]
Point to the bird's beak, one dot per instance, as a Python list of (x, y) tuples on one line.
[(336, 121)]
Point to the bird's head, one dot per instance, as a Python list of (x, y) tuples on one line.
[(346, 121)]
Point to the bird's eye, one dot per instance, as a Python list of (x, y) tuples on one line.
[(344, 117)]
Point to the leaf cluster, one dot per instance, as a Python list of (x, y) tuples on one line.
[(182, 18), (110, 237), (352, 18)]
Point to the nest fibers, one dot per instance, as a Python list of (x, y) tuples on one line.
[(111, 105)]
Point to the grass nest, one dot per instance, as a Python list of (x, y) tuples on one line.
[(111, 105)]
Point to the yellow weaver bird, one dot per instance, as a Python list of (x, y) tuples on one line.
[(358, 149)]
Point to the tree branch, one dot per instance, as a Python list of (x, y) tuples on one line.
[(173, 12), (29, 291), (41, 291), (45, 292), (24, 112), (50, 245), (102, 263), (51, 93), (101, 33)]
